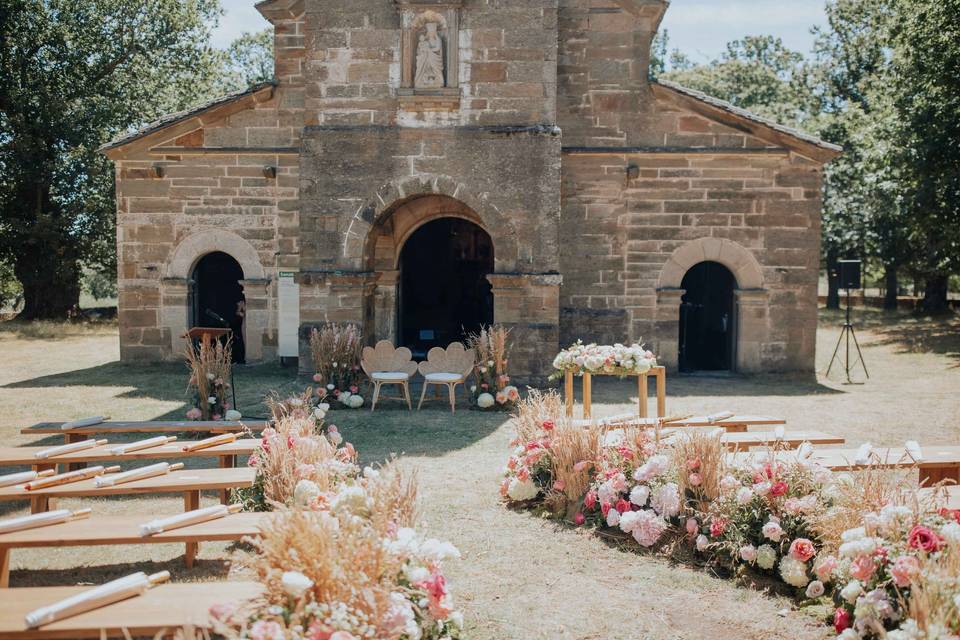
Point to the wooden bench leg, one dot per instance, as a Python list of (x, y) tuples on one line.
[(4, 567), (70, 438), (643, 383), (39, 504), (191, 502), (226, 462), (661, 393)]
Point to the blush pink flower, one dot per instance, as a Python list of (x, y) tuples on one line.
[(695, 479), (825, 568), (579, 519), (863, 568), (779, 489), (802, 549), (693, 527), (194, 414), (904, 570), (590, 500)]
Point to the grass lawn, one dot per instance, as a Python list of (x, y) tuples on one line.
[(520, 577)]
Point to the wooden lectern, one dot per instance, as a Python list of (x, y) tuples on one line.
[(208, 335)]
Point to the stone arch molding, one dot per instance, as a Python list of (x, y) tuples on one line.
[(197, 245), (392, 194), (744, 266)]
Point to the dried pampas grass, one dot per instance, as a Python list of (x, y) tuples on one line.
[(931, 603), (533, 410), (209, 361), (570, 445), (702, 453), (294, 445)]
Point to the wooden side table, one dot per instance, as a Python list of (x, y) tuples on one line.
[(643, 379)]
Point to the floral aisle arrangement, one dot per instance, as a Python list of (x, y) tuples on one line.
[(492, 388), (344, 563), (298, 454), (616, 360), (209, 363), (336, 351), (890, 562)]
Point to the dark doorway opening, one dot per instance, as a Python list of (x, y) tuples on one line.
[(707, 319), (218, 299), (444, 292)]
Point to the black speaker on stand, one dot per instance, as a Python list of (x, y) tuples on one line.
[(850, 278)]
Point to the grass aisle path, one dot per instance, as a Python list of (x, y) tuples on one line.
[(521, 577)]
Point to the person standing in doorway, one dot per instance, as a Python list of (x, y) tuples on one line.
[(236, 326)]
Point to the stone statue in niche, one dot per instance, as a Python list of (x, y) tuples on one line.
[(430, 71)]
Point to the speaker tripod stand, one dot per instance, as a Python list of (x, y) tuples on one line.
[(846, 335)]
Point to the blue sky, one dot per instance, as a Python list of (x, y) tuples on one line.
[(699, 28)]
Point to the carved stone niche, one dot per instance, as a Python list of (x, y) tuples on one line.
[(430, 55)]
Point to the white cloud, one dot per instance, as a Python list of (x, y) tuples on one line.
[(239, 16)]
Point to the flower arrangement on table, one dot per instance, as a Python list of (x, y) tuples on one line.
[(492, 389), (209, 363), (615, 360), (340, 559), (889, 561), (336, 351)]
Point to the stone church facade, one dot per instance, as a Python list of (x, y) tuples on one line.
[(599, 189)]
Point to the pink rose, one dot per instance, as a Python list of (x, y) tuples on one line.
[(779, 489), (623, 505), (559, 485), (266, 630), (579, 519), (580, 466), (590, 500), (863, 568), (693, 464), (904, 570), (695, 479), (841, 620), (550, 425), (317, 377), (748, 553), (825, 568), (693, 527), (921, 537), (802, 549), (194, 414), (717, 527)]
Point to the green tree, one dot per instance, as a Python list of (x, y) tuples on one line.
[(248, 61), (757, 73), (925, 84), (73, 74)]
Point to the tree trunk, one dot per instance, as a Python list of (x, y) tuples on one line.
[(935, 295), (45, 264), (833, 281), (51, 288), (892, 284)]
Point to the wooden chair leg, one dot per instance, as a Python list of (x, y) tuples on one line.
[(423, 394), (453, 398), (406, 394), (376, 396), (4, 568)]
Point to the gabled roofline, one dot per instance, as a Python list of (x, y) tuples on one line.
[(191, 119), (721, 111)]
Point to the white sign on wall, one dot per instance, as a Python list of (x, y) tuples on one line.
[(288, 310)]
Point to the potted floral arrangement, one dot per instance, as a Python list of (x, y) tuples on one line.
[(209, 363), (336, 351), (492, 389)]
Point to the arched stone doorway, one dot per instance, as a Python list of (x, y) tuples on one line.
[(444, 292), (216, 297), (707, 319)]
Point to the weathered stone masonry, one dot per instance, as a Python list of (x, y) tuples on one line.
[(598, 187)]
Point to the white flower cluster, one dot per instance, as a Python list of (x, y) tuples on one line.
[(605, 359)]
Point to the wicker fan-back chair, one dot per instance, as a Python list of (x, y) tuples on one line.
[(386, 364), (446, 367)]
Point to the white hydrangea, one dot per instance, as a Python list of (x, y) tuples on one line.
[(351, 499), (521, 490), (851, 591), (794, 572), (766, 556), (613, 518), (744, 495), (305, 493), (951, 532), (666, 500), (653, 467), (485, 401), (639, 495), (295, 584)]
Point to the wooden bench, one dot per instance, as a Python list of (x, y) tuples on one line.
[(791, 440), (939, 462), (149, 426), (25, 456), (125, 530), (733, 424), (160, 612), (189, 482)]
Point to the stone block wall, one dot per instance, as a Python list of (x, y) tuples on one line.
[(507, 64), (762, 204), (184, 201)]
